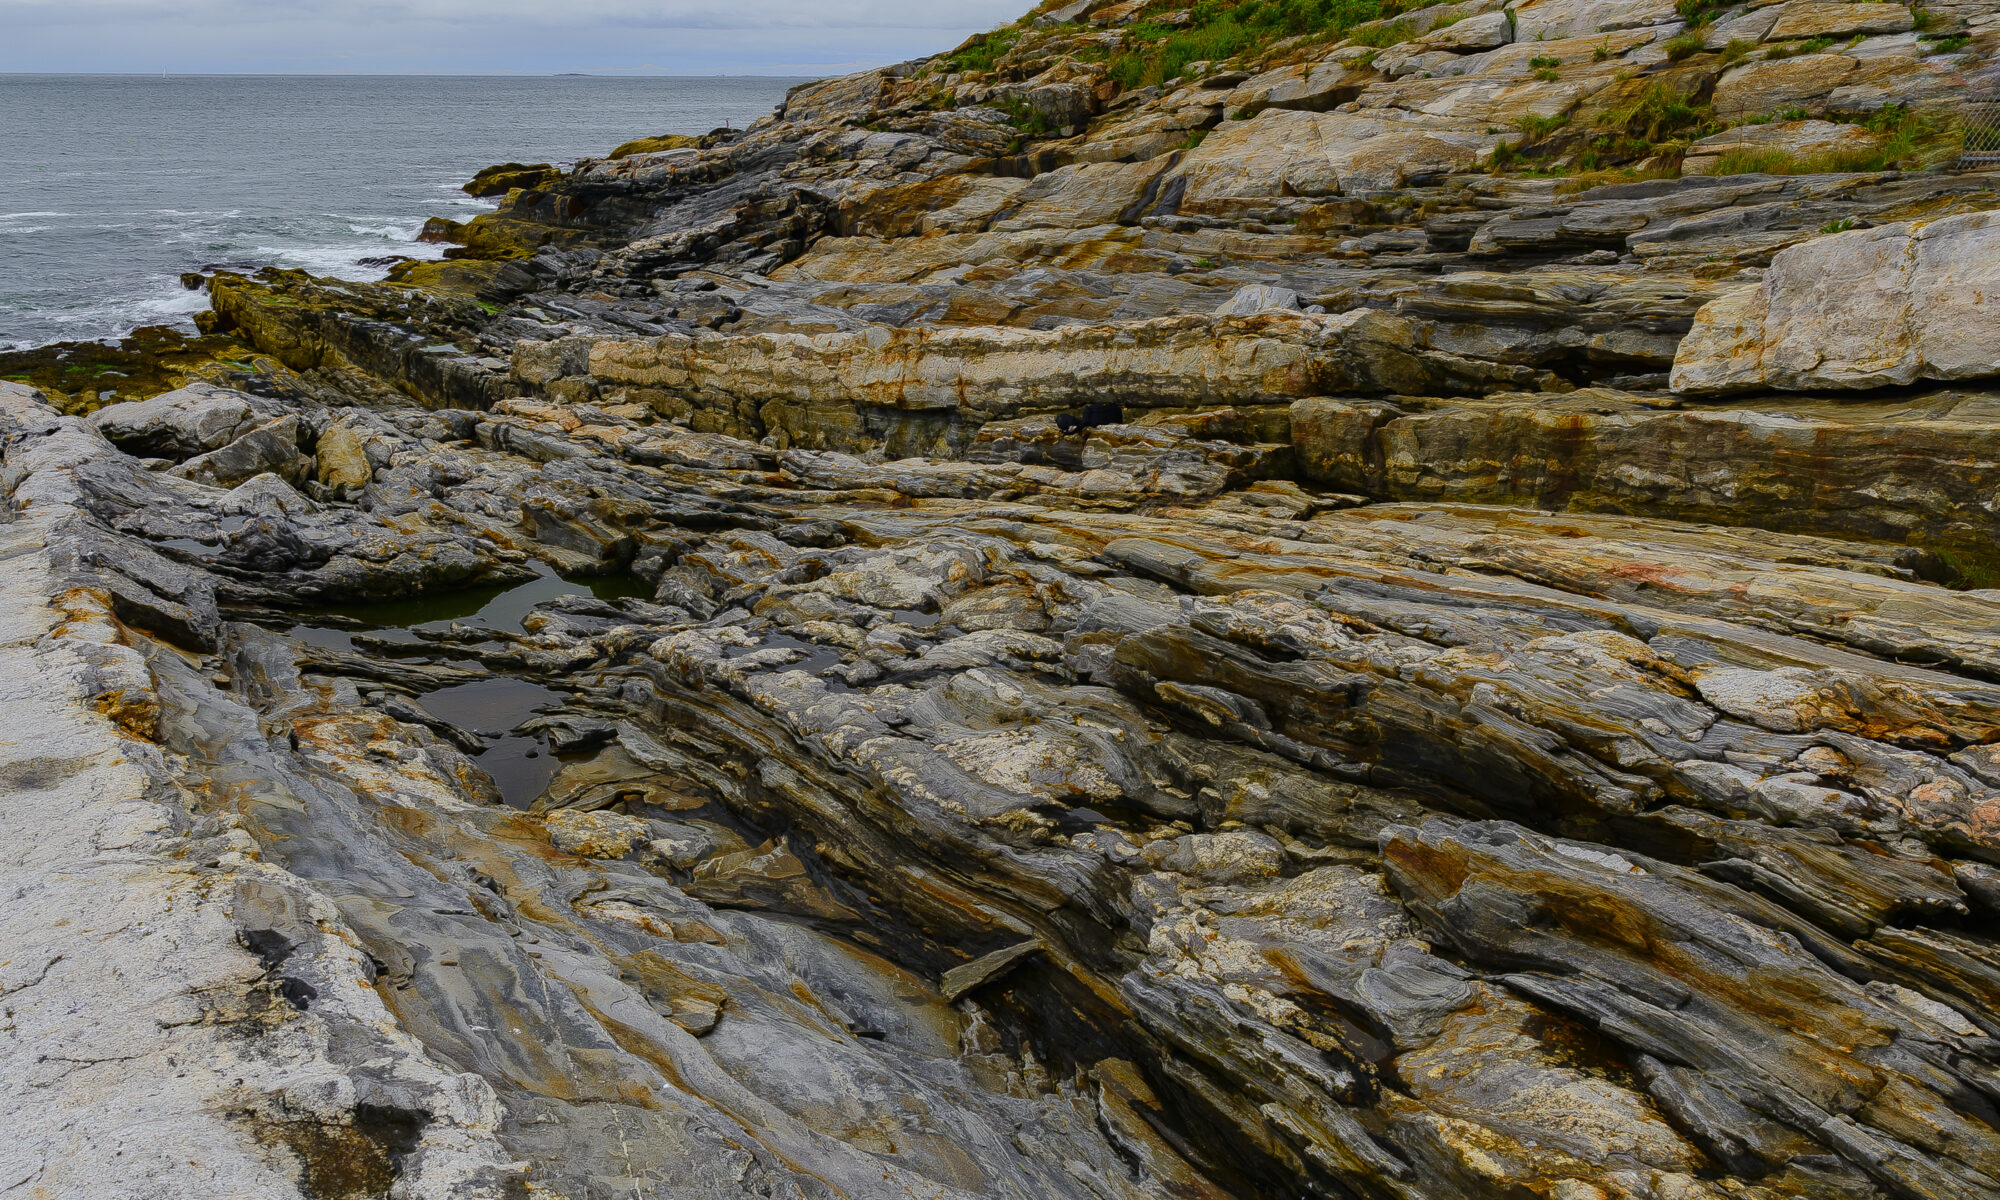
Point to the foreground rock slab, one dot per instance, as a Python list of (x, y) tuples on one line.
[(1209, 844)]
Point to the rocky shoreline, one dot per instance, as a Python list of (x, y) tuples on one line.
[(1075, 618)]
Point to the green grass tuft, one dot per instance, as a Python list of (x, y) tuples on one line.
[(980, 53), (1904, 139), (1685, 45), (1218, 30), (1538, 128), (1660, 114)]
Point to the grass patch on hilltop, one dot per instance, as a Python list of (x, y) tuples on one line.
[(980, 52), (1217, 30)]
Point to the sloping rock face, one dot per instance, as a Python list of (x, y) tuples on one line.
[(1035, 627)]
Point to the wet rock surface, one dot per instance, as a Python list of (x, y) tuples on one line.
[(1005, 633)]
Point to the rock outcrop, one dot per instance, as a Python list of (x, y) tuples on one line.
[(1870, 308), (1058, 620)]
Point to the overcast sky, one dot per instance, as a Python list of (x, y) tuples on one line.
[(652, 37)]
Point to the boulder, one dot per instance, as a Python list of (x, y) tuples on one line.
[(831, 100), (273, 448), (499, 180), (342, 459), (1897, 79), (1062, 106), (948, 204), (1288, 153), (1484, 32), (1073, 11), (1313, 88), (1548, 20), (976, 130), (178, 424), (1748, 26), (1083, 195), (1419, 60), (654, 145), (1868, 308)]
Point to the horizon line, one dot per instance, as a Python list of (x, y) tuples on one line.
[(378, 74)]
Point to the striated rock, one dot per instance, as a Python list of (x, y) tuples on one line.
[(1166, 775), (1500, 894), (1756, 88), (1905, 471), (219, 1012), (1809, 19), (822, 391), (816, 661), (1868, 308)]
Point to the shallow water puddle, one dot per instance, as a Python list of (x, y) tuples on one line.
[(501, 608), (521, 767)]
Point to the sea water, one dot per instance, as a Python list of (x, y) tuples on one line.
[(111, 186)]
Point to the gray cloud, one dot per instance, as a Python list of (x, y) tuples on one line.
[(803, 37)]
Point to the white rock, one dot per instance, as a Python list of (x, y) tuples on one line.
[(1257, 298), (177, 423), (1869, 308), (1474, 33)]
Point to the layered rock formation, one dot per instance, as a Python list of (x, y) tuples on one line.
[(1061, 620)]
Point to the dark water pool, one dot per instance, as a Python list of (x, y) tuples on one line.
[(521, 766)]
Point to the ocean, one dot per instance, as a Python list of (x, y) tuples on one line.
[(111, 186)]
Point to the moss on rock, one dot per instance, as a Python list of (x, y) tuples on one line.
[(501, 179), (653, 145), (84, 376)]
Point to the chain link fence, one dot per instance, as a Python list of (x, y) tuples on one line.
[(1975, 126)]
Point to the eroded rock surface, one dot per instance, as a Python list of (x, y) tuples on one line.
[(930, 843), (1010, 632)]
